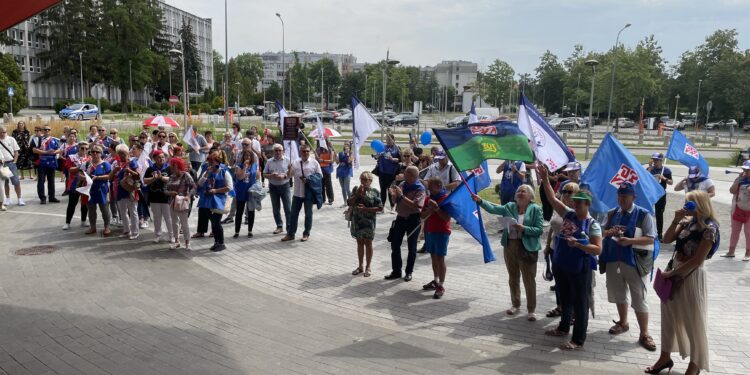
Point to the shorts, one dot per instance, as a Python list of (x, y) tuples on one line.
[(436, 243), (628, 279), (13, 169)]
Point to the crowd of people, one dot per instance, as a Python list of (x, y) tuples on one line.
[(151, 178)]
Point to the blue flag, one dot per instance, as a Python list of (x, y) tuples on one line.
[(473, 119), (684, 151), (468, 215), (612, 165), (482, 177)]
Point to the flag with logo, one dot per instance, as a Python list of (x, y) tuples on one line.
[(612, 165), (321, 133), (190, 138), (482, 177), (468, 215), (547, 145), (363, 124), (473, 119), (684, 151), (468, 146)]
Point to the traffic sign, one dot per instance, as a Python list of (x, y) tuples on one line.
[(709, 105), (11, 92), (173, 100)]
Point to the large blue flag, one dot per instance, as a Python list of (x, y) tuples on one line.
[(473, 119), (482, 177), (612, 165), (468, 215), (684, 151)]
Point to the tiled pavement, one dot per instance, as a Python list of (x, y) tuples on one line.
[(115, 306)]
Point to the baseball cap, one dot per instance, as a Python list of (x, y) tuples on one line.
[(439, 155), (573, 166), (695, 171), (657, 156), (582, 196), (626, 188), (746, 164)]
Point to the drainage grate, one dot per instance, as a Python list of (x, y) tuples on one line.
[(37, 250)]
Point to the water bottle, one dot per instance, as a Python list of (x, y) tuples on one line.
[(690, 206)]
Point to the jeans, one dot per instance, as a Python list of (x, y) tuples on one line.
[(238, 217), (48, 174), (297, 203), (280, 195), (327, 188), (143, 206), (73, 199), (404, 226), (345, 189), (216, 228), (575, 294)]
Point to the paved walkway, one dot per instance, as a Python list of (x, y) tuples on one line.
[(114, 306)]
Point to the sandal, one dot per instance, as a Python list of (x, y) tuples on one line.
[(727, 255), (570, 346), (367, 273), (198, 235), (647, 342), (357, 271), (555, 333), (554, 312), (618, 328), (512, 311)]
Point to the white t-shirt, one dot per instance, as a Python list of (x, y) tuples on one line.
[(310, 166), (11, 145), (701, 186)]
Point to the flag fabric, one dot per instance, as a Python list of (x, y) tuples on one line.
[(143, 164), (547, 145), (482, 177), (612, 165), (473, 119), (291, 148), (321, 133), (86, 189), (468, 215), (684, 151), (363, 124), (190, 139), (468, 146)]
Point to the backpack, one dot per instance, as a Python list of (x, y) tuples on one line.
[(716, 243)]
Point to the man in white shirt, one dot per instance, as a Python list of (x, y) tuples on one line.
[(277, 171), (302, 168), (8, 157), (696, 181), (443, 170)]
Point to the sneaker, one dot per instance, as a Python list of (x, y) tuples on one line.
[(171, 240), (218, 247), (546, 224), (227, 220), (2, 208), (54, 200), (278, 230), (134, 236), (439, 291), (512, 311), (143, 225), (157, 239), (174, 245), (124, 234), (432, 285), (21, 202), (66, 227), (7, 202)]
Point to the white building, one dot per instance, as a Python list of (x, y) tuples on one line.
[(456, 74), (273, 69), (44, 93)]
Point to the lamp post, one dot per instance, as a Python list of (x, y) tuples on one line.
[(283, 64), (366, 77), (612, 81), (184, 93), (80, 61), (577, 86), (237, 106), (225, 89), (592, 64), (388, 61), (677, 102), (196, 87), (130, 94), (697, 103)]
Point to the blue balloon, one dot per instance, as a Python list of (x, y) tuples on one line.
[(377, 145), (426, 138)]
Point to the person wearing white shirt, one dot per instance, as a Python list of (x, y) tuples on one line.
[(8, 157), (301, 169)]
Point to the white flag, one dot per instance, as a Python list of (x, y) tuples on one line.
[(363, 124), (547, 145), (85, 190), (190, 139), (321, 133)]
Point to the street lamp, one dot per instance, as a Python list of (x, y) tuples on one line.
[(225, 88), (80, 61), (184, 94), (237, 106), (130, 94), (577, 86), (592, 63), (283, 65), (196, 87), (612, 82), (388, 61), (677, 102), (697, 103)]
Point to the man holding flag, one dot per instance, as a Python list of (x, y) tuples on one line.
[(684, 151), (198, 148)]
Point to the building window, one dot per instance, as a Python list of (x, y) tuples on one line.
[(20, 36), (456, 77), (456, 85)]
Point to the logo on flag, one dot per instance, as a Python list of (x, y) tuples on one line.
[(625, 174), (491, 130), (690, 150), (539, 137), (489, 147)]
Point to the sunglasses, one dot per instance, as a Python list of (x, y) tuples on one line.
[(162, 136), (277, 150), (3, 132), (113, 133), (96, 152), (568, 192), (245, 144), (47, 130), (101, 130)]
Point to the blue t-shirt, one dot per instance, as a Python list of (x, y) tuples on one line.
[(386, 166), (49, 144), (241, 186), (344, 168), (99, 188)]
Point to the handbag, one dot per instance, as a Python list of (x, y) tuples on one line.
[(5, 173), (181, 203), (662, 286), (740, 215), (130, 183)]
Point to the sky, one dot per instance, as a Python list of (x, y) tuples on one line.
[(425, 32)]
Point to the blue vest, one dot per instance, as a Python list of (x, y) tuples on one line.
[(214, 180), (510, 181), (612, 251), (571, 259)]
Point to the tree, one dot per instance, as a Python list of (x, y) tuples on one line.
[(331, 78), (273, 92), (193, 62), (550, 75), (495, 82), (351, 84), (250, 70), (10, 76)]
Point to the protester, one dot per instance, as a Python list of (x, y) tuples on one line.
[(663, 175), (740, 214), (324, 155), (555, 226), (409, 197), (114, 136), (46, 150), (93, 135), (308, 186), (572, 174), (155, 178), (514, 174), (683, 316), (577, 242), (407, 161), (9, 154), (437, 231), (627, 261), (344, 171), (387, 167), (127, 182), (23, 138), (180, 189), (69, 147), (278, 172), (214, 185), (521, 243), (110, 156), (444, 171), (246, 172), (198, 157), (365, 203), (100, 172), (695, 180), (75, 180)]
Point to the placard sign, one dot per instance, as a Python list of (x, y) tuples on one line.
[(291, 128)]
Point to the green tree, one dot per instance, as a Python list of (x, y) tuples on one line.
[(193, 61), (331, 78), (273, 92), (10, 76), (495, 82), (550, 75), (218, 72), (250, 69)]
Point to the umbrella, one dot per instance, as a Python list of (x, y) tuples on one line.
[(327, 132), (161, 121)]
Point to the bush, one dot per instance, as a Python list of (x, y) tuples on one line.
[(218, 102), (60, 104)]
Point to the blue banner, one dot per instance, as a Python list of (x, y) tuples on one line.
[(684, 151), (468, 215), (482, 177)]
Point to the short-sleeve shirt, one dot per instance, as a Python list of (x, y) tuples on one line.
[(49, 144), (298, 168), (435, 224), (666, 172), (647, 226), (280, 166), (99, 188), (156, 188), (416, 195), (122, 193), (11, 145), (700, 186), (446, 175), (198, 155)]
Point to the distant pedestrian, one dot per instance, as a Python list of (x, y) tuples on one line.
[(740, 212), (308, 186)]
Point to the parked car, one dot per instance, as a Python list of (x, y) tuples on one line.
[(624, 122), (731, 122), (457, 121), (275, 116), (313, 117), (345, 118), (569, 123), (388, 114), (715, 125), (259, 109), (80, 111), (245, 111), (220, 111), (403, 120)]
